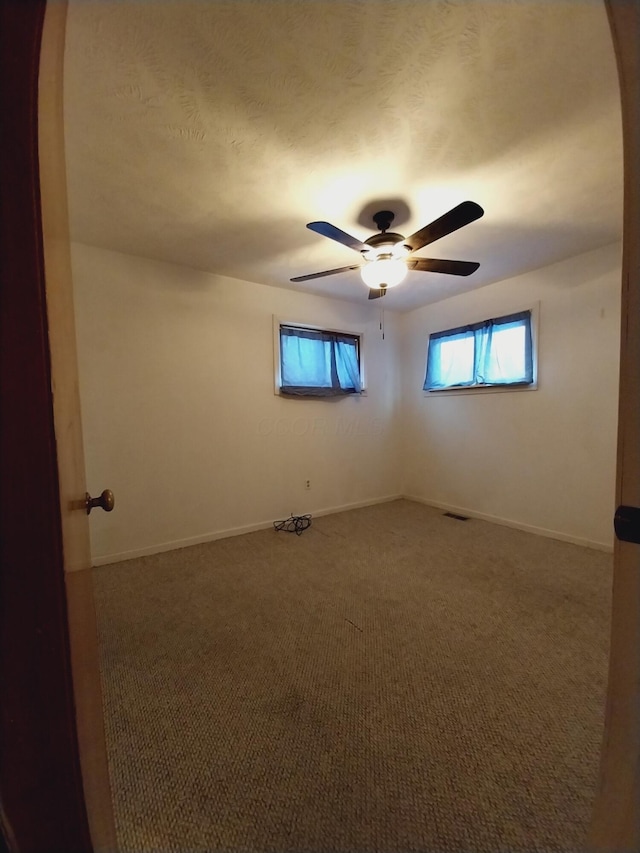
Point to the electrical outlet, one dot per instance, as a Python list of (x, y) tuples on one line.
[(307, 484)]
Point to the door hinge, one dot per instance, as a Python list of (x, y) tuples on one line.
[(626, 523)]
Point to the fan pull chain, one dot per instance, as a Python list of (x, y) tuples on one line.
[(382, 321)]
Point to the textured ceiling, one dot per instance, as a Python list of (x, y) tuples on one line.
[(207, 134)]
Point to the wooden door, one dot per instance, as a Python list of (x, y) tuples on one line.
[(53, 776), (40, 777), (616, 814), (76, 546)]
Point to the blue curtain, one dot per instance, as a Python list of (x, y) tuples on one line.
[(495, 352), (317, 363)]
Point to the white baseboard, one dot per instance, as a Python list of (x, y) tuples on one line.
[(225, 534), (517, 525), (264, 525)]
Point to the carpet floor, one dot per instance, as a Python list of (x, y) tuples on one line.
[(391, 680)]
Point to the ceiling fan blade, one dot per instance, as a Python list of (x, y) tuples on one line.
[(447, 267), (326, 229), (376, 294), (449, 222), (326, 272)]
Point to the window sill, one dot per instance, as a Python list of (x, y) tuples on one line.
[(480, 389), (280, 393)]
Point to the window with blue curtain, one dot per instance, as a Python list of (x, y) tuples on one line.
[(316, 363), (497, 351)]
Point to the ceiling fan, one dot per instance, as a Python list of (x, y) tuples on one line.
[(388, 256)]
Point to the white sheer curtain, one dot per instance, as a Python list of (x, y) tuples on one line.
[(495, 352), (318, 363)]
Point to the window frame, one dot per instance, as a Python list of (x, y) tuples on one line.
[(315, 327), (456, 390)]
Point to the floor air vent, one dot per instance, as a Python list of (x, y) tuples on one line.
[(457, 517)]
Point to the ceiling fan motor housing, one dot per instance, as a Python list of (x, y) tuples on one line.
[(386, 244)]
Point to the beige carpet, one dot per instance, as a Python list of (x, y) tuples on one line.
[(391, 680)]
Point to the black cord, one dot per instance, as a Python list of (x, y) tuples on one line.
[(294, 524)]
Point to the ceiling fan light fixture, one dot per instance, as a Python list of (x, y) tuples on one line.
[(400, 251), (385, 272)]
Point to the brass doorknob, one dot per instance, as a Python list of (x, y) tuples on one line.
[(106, 501)]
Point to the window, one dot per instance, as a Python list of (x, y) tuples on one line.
[(318, 363), (495, 352)]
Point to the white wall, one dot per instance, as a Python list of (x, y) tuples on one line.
[(542, 459), (179, 413), (180, 418)]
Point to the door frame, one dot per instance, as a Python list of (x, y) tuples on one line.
[(41, 793)]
